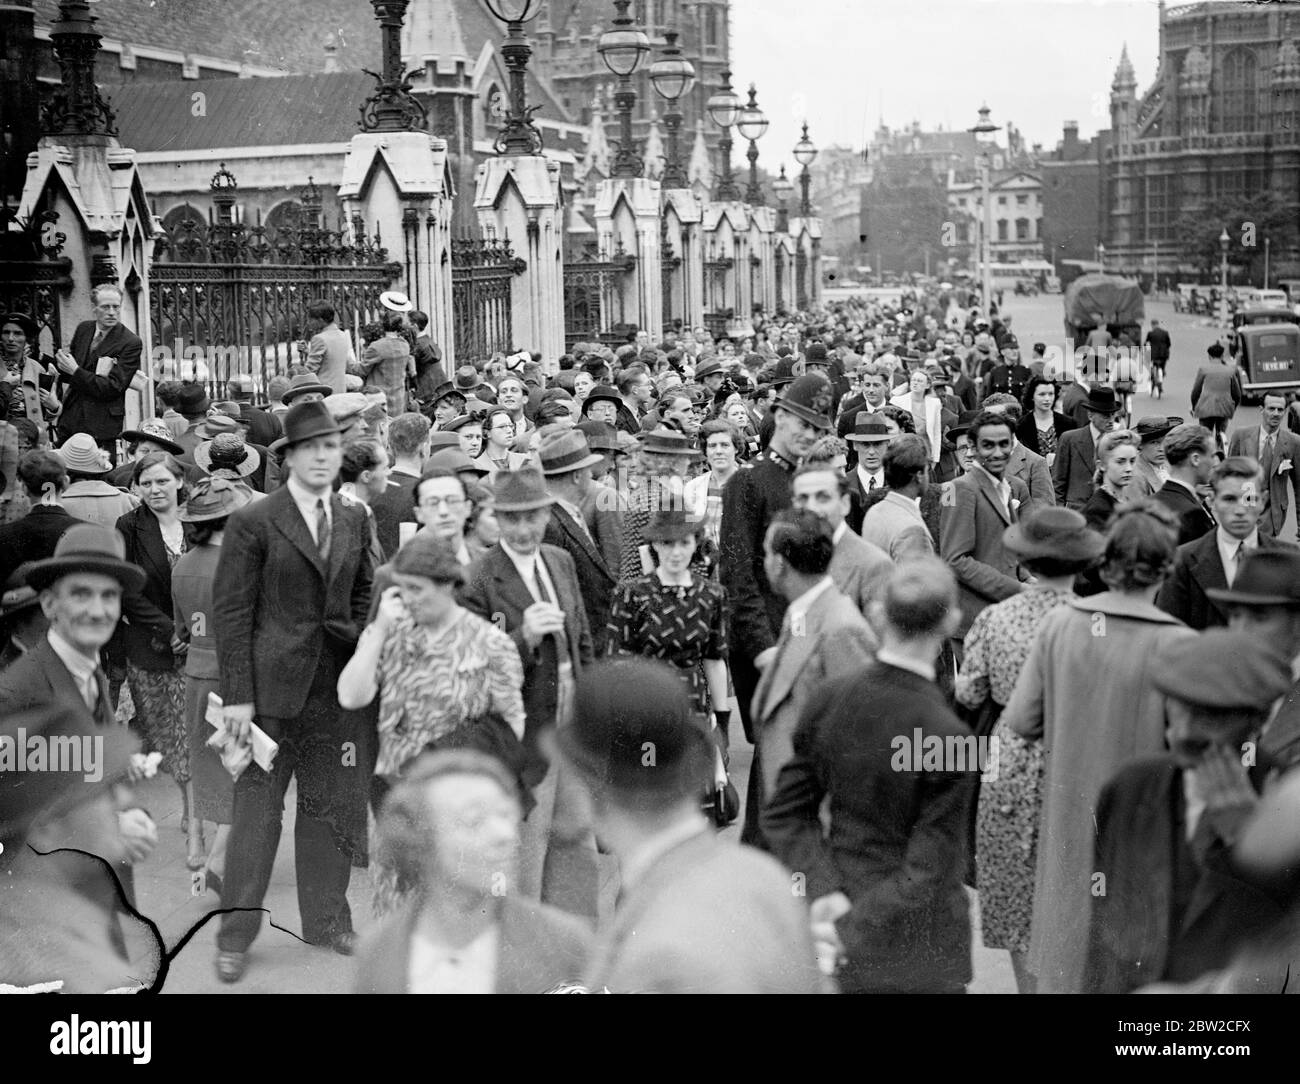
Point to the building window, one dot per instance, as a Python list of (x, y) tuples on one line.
[(1002, 229), (1002, 201), (1239, 108), (1022, 229), (711, 35), (1021, 200)]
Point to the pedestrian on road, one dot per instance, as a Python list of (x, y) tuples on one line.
[(1216, 394)]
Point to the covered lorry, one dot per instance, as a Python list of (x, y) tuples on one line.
[(1119, 302)]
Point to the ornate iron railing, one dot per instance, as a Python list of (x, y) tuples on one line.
[(594, 303), (716, 310), (33, 273), (482, 271)]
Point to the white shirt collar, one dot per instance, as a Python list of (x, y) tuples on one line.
[(804, 602), (840, 531), (79, 666), (1228, 549), (306, 500), (902, 662), (528, 566), (865, 475)]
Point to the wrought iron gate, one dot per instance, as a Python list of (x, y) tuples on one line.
[(482, 272), (716, 310), (593, 297), (33, 274), (235, 296)]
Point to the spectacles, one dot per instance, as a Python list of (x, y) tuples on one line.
[(452, 504)]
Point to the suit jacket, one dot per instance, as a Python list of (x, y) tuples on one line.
[(1132, 937), (897, 841), (1216, 392), (1193, 518), (385, 362), (39, 679), (1071, 404), (278, 607), (595, 580), (1198, 569), (859, 569), (1031, 468), (538, 947), (328, 355), (33, 537), (901, 532), (147, 614), (263, 428), (392, 508), (429, 373), (834, 640), (497, 593), (604, 506), (708, 917), (970, 535), (1075, 467), (97, 404), (1286, 445)]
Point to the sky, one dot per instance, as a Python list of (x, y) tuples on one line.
[(840, 64)]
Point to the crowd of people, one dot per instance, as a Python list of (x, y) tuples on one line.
[(495, 622)]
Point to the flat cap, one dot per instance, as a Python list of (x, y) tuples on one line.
[(1225, 669)]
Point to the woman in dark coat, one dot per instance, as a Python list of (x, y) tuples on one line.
[(155, 540), (1042, 425)]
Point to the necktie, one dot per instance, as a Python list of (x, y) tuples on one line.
[(871, 483), (539, 584), (94, 344), (322, 531)]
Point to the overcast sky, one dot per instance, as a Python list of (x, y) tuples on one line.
[(841, 63)]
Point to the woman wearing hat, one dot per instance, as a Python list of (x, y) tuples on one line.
[(89, 495), (152, 435), (469, 430), (665, 456), (155, 540), (1088, 693), (499, 435), (1054, 545), (210, 792)]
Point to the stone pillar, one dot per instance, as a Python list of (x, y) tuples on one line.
[(627, 219), (683, 213), (398, 185), (518, 198)]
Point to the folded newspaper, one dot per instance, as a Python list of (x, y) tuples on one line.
[(235, 755)]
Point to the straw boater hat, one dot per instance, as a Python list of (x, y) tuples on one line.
[(80, 453), (520, 490), (396, 301), (87, 547), (155, 431)]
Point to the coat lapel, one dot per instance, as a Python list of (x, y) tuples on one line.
[(341, 532), (991, 494), (510, 583), (790, 663), (288, 520), (580, 538)]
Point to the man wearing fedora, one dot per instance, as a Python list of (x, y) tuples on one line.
[(1189, 459), (871, 436), (696, 914), (329, 350), (1213, 561), (304, 388), (192, 404), (1175, 906), (290, 598), (32, 538), (1076, 452), (750, 500), (1150, 472), (97, 370), (566, 462), (1278, 450), (529, 589), (262, 428), (89, 496)]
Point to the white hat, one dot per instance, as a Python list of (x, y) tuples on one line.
[(396, 300)]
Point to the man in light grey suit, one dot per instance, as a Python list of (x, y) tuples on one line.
[(697, 914), (329, 353), (858, 568), (823, 634), (1277, 450)]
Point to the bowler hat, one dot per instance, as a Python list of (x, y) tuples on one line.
[(1101, 399), (214, 498), (816, 355), (1266, 578), (443, 390), (1054, 531), (600, 393), (1153, 427), (809, 398), (192, 401), (566, 451), (306, 421), (633, 729), (87, 547), (25, 322), (80, 453), (669, 442), (304, 384), (869, 428), (672, 525), (1224, 670), (155, 431), (520, 490), (456, 424), (61, 784)]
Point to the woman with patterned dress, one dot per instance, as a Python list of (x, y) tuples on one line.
[(1054, 545), (676, 615), (155, 540)]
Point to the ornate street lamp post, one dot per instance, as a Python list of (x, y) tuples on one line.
[(622, 49), (1224, 242), (782, 188), (673, 76), (752, 125), (983, 133), (724, 109), (805, 152), (392, 107), (519, 136)]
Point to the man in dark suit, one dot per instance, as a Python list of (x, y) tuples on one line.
[(1174, 906), (1212, 561), (885, 881), (103, 361), (290, 599), (408, 439), (566, 462), (1076, 451), (34, 537), (981, 505), (1189, 457), (870, 436), (530, 591), (1278, 452)]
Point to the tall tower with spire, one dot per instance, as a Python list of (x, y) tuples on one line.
[(1123, 101)]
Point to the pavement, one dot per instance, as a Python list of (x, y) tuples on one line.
[(281, 963)]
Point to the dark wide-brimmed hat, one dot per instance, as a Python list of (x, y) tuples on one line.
[(18, 595), (192, 400), (520, 490), (1223, 669), (708, 368), (306, 421), (155, 431), (455, 459), (816, 355), (601, 437), (1101, 399), (621, 708), (783, 373), (810, 398), (214, 498), (304, 384), (1265, 578), (601, 393), (466, 380), (87, 547), (1056, 532), (227, 451), (1155, 427), (669, 442), (560, 453), (672, 525), (869, 428), (444, 390), (964, 422), (80, 453), (23, 321)]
